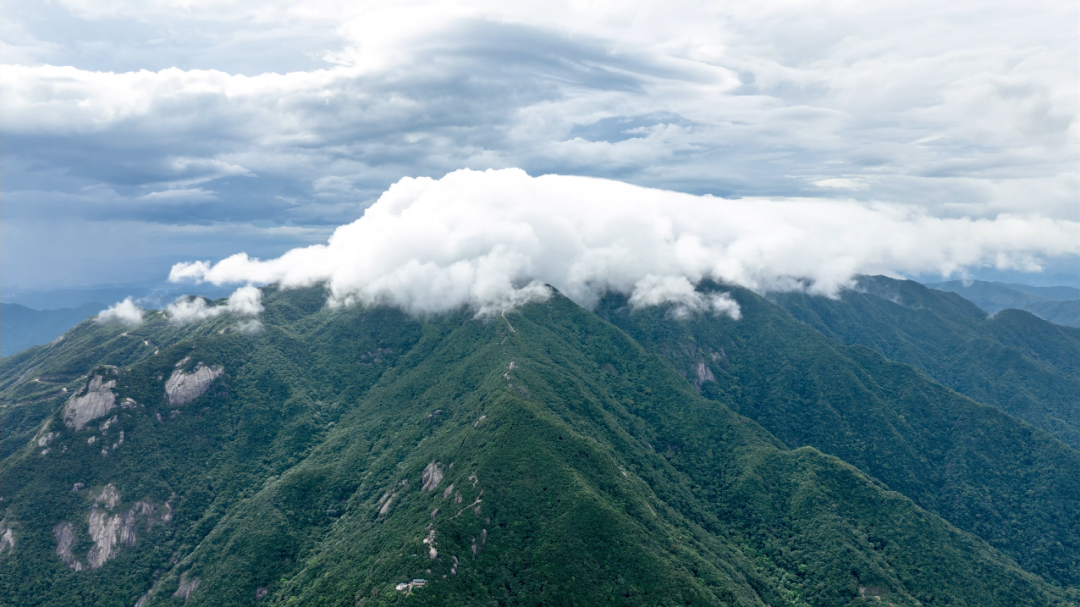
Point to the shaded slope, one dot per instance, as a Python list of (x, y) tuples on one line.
[(982, 470), (1021, 364)]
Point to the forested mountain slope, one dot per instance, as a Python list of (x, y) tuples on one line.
[(1025, 366), (984, 471), (544, 457)]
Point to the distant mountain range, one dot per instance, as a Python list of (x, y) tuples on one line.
[(1060, 305), (154, 295), (892, 446), (35, 318), (22, 327)]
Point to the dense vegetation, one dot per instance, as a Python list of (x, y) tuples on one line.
[(1015, 361), (1008, 482), (560, 460)]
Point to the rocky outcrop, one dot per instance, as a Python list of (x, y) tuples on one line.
[(96, 402), (109, 531), (433, 475), (65, 538), (704, 374), (384, 503), (187, 586), (7, 539), (433, 553), (181, 388), (103, 530), (108, 497)]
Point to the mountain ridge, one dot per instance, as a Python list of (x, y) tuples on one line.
[(1060, 305), (1023, 365), (292, 461), (22, 327)]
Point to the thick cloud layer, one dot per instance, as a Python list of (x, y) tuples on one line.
[(490, 239), (232, 120)]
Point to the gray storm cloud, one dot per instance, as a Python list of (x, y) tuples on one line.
[(490, 240)]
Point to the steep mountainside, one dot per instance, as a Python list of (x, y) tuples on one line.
[(1023, 365), (331, 457), (1059, 305)]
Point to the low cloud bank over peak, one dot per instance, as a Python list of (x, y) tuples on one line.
[(491, 240)]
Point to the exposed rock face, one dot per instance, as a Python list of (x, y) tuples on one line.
[(96, 402), (433, 475), (385, 502), (182, 388), (108, 531), (704, 374), (127, 528), (7, 539), (109, 496), (103, 530), (45, 439), (65, 539), (433, 553), (187, 586)]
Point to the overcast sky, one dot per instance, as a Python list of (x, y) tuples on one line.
[(138, 134)]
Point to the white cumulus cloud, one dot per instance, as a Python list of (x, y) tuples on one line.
[(491, 239), (245, 301), (125, 312)]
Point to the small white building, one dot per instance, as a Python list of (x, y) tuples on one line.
[(408, 586)]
